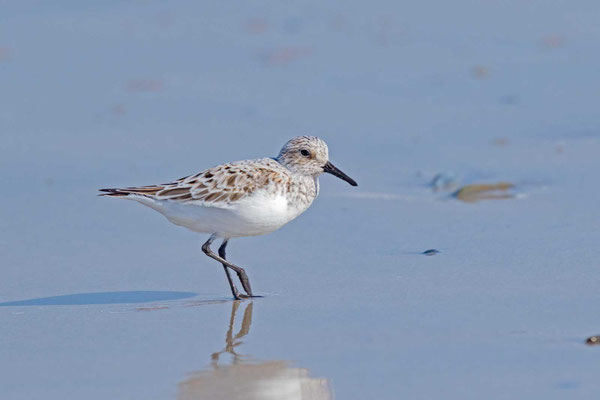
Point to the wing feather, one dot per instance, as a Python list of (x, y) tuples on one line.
[(218, 186)]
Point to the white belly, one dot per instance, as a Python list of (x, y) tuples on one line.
[(257, 214)]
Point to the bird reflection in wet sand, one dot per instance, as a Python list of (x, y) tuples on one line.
[(247, 379)]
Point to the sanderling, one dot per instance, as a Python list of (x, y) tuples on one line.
[(242, 198)]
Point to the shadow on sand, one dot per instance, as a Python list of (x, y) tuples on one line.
[(81, 299)]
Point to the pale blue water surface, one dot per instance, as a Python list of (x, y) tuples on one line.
[(103, 299)]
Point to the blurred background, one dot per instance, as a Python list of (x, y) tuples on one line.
[(471, 127)]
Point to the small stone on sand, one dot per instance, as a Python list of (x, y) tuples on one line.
[(593, 340)]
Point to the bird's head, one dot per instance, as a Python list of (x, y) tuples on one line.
[(309, 155)]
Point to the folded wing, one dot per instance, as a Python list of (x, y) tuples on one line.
[(223, 184)]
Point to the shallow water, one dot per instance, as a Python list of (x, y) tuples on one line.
[(103, 299)]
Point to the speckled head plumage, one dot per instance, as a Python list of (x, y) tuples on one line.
[(304, 155), (309, 155)]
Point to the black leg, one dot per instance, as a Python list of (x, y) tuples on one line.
[(238, 270), (222, 254)]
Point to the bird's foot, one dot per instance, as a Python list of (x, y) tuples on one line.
[(248, 296)]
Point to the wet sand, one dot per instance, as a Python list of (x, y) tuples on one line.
[(104, 299)]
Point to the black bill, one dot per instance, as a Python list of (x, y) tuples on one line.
[(332, 169)]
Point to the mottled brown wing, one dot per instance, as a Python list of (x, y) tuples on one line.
[(229, 183), (223, 184)]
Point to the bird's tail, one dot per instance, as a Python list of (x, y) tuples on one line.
[(113, 192), (140, 191)]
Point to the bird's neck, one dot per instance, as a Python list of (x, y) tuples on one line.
[(303, 189)]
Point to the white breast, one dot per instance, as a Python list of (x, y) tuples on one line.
[(260, 213)]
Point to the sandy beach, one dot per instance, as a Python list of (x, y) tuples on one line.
[(472, 129)]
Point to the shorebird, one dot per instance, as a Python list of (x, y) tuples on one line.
[(242, 198)]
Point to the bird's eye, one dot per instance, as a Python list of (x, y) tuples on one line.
[(305, 153)]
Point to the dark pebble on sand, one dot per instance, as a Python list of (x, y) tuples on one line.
[(593, 340)]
